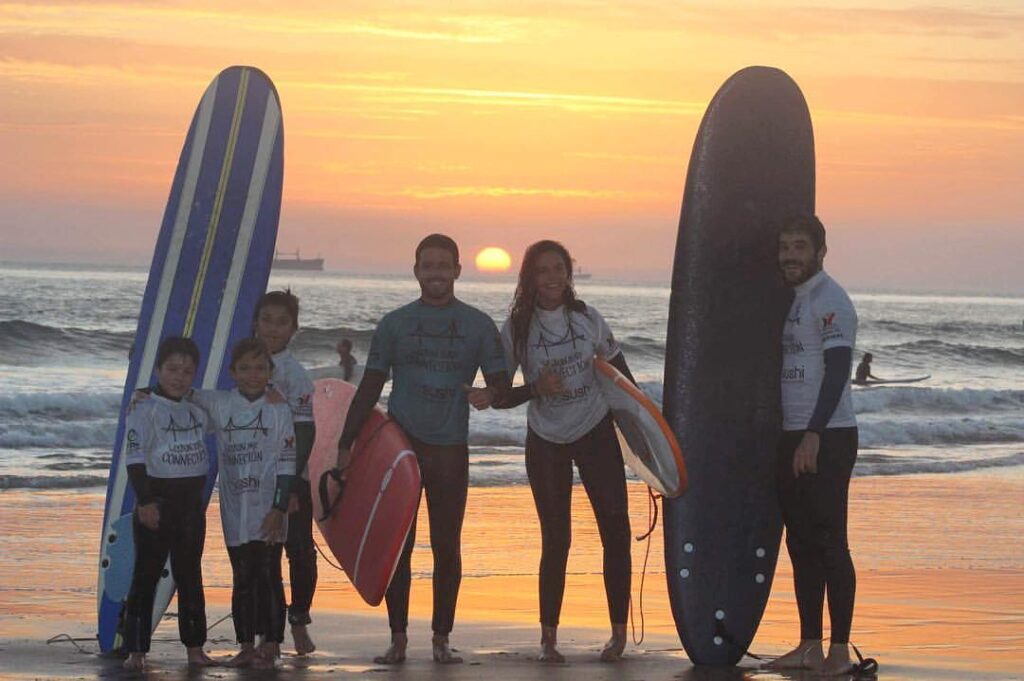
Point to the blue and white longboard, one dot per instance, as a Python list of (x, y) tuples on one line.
[(210, 266)]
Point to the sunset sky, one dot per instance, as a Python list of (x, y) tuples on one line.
[(501, 123)]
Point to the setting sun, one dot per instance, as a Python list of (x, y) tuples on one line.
[(493, 259)]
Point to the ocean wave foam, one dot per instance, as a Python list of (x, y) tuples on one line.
[(60, 405), (936, 400)]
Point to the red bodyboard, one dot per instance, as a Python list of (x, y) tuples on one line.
[(367, 529)]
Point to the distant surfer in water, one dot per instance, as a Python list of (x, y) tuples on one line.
[(167, 464), (432, 348), (346, 360), (554, 337), (863, 372), (818, 447), (276, 321)]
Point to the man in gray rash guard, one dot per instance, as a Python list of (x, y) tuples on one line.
[(818, 447)]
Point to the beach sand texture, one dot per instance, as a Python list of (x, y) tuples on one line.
[(940, 591)]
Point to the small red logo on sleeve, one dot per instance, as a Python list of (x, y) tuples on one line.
[(289, 443), (826, 321)]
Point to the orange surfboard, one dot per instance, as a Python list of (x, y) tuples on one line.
[(652, 452), (367, 527)]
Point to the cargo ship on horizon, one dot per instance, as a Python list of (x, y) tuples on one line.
[(293, 261)]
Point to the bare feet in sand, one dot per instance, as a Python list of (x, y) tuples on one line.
[(548, 646), (136, 662), (807, 655), (197, 657), (244, 658), (267, 655), (395, 654), (442, 651), (838, 661), (303, 643), (612, 651)]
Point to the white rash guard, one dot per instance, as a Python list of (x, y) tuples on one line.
[(167, 437), (821, 317), (255, 444), (565, 343)]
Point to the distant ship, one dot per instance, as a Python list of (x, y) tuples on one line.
[(292, 261), (578, 272)]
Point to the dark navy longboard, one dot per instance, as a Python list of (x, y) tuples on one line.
[(210, 266), (752, 166)]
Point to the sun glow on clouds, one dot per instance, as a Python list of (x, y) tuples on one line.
[(510, 121)]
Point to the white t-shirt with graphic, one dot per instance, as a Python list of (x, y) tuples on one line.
[(167, 437), (255, 444), (821, 317), (565, 343)]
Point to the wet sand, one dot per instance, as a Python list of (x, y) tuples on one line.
[(940, 592)]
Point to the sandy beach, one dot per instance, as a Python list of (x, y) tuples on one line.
[(940, 592)]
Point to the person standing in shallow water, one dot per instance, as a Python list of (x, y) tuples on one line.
[(818, 447), (554, 337), (432, 348)]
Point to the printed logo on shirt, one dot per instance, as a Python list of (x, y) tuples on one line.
[(305, 400), (289, 442), (247, 484), (794, 374), (545, 343), (133, 440), (450, 334), (826, 321), (791, 346), (194, 426), (255, 427)]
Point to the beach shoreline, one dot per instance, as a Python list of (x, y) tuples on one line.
[(940, 589)]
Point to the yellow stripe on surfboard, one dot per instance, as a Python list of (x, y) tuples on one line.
[(218, 204)]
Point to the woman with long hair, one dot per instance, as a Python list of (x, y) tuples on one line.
[(553, 337)]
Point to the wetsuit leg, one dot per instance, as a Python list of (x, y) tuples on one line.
[(814, 508), (446, 480), (808, 568), (188, 540), (243, 592), (835, 466), (549, 469), (151, 549), (301, 557), (599, 459), (270, 591), (397, 595)]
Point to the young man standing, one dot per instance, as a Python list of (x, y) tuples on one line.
[(432, 347), (818, 446)]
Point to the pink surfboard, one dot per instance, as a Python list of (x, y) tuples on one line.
[(368, 526)]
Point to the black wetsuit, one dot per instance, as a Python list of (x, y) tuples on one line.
[(180, 534)]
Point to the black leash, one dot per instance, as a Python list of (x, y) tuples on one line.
[(652, 514)]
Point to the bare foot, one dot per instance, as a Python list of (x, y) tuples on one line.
[(838, 661), (548, 646), (197, 657), (442, 651), (136, 662), (395, 654), (612, 651), (807, 655), (267, 656), (303, 643), (244, 658)]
